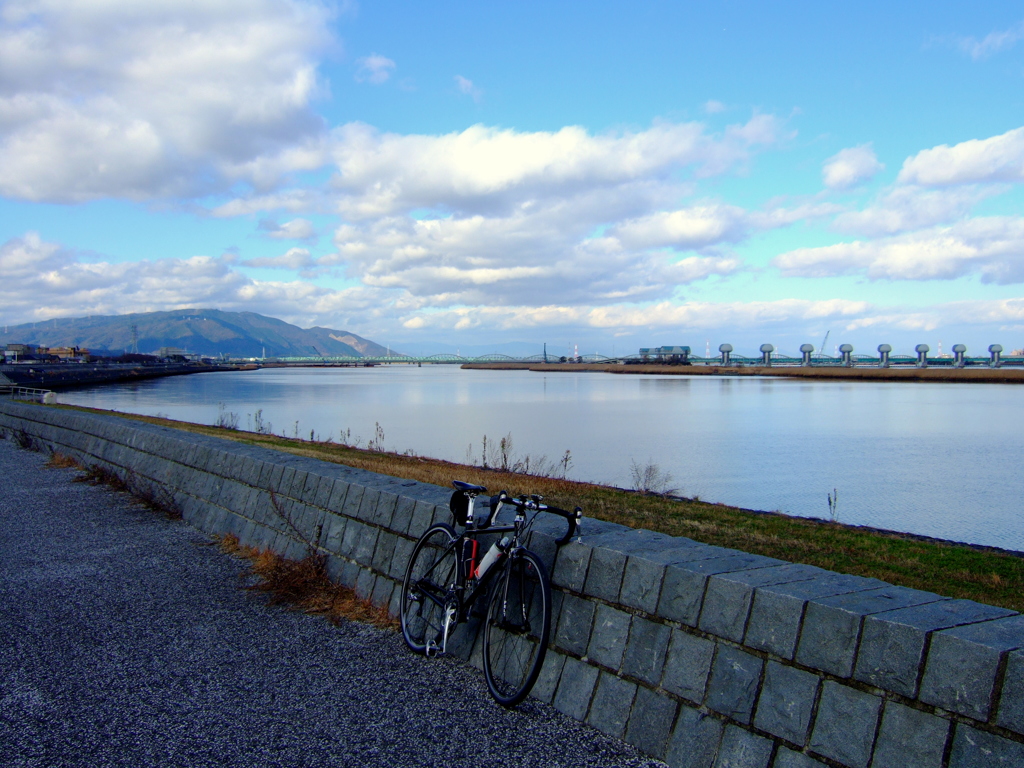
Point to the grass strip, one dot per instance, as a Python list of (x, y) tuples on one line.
[(984, 574)]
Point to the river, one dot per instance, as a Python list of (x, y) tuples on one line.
[(937, 459)]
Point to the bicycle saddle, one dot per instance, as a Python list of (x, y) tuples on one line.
[(467, 487)]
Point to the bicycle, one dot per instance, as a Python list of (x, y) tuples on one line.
[(445, 577)]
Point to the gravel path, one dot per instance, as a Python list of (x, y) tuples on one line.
[(125, 640)]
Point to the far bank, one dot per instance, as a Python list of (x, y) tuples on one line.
[(944, 374)]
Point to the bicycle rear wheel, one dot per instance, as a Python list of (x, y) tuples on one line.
[(433, 568), (517, 628)]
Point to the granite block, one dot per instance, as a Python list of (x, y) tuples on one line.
[(786, 703), (683, 591), (366, 546), (336, 503), (735, 676), (960, 674), (575, 688), (604, 577), (641, 584), (892, 643), (844, 729), (727, 596), (910, 738), (787, 758), (776, 611), (651, 721), (743, 749), (976, 749), (608, 640), (547, 680), (384, 551), (400, 557), (385, 510), (403, 514), (644, 657), (695, 740), (422, 517), (323, 493), (570, 570), (613, 702), (368, 504), (574, 624), (1011, 703), (831, 628), (688, 665), (353, 498)]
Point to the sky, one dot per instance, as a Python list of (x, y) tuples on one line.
[(601, 176)]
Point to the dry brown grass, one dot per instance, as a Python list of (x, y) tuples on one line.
[(59, 460), (303, 585), (957, 570)]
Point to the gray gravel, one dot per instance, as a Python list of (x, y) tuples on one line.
[(125, 639)]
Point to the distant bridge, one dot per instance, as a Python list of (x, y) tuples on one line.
[(440, 359)]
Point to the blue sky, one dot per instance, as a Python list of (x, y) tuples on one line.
[(604, 175)]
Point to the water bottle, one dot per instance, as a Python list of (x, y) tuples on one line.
[(497, 550)]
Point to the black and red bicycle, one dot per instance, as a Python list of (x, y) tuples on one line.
[(446, 576)]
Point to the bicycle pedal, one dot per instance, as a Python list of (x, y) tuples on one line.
[(433, 650)]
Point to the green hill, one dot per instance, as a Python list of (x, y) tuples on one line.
[(204, 331)]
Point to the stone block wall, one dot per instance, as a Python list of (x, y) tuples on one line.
[(702, 656)]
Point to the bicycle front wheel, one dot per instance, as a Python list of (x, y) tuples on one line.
[(432, 570), (517, 628)]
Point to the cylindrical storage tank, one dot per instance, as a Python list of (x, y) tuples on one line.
[(806, 350), (846, 350), (766, 354), (958, 355), (922, 355), (726, 350), (883, 355), (995, 351)]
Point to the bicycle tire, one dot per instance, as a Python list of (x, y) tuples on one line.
[(517, 628), (432, 570)]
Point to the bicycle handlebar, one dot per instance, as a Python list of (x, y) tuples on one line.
[(533, 503)]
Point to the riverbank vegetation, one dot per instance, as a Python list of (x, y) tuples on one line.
[(956, 570)]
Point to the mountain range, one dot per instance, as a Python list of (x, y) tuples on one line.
[(209, 332)]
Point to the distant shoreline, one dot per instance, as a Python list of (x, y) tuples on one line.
[(943, 374)]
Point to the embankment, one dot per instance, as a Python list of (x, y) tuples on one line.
[(65, 375), (697, 654), (944, 374)]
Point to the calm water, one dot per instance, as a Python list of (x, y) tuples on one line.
[(936, 459)]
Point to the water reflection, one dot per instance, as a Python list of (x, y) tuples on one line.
[(938, 459)]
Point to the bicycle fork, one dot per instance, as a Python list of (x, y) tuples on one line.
[(447, 625)]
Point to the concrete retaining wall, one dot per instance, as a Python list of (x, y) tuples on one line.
[(699, 655)]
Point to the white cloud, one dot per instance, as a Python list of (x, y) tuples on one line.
[(908, 207), (374, 69), (466, 87), (296, 229), (991, 247), (992, 43), (850, 167), (995, 159), (158, 99), (480, 168), (293, 258), (713, 107)]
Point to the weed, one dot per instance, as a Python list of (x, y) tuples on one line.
[(304, 584), (97, 475), (23, 439), (650, 479), (377, 443), (226, 419), (59, 460), (833, 506)]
